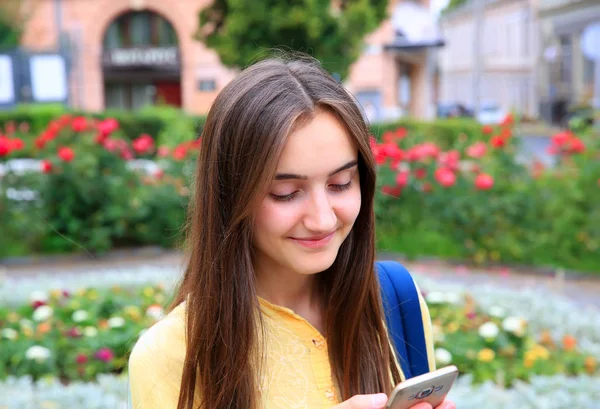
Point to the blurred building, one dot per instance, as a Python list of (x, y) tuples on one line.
[(396, 75), (566, 75), (126, 54), (505, 60)]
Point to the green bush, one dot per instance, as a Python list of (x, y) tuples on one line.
[(429, 205), (170, 125), (446, 133), (88, 198)]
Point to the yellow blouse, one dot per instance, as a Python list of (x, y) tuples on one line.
[(297, 371)]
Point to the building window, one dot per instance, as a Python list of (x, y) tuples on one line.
[(565, 59), (207, 85), (140, 29), (588, 71)]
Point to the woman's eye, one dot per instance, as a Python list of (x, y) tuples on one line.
[(340, 188), (283, 198)]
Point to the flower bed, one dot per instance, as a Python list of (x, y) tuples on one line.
[(76, 334), (575, 333)]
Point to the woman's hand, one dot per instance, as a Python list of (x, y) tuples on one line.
[(444, 405), (375, 401), (378, 401)]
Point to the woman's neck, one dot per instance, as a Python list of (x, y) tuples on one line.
[(298, 292)]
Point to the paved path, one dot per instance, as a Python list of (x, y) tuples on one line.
[(582, 291)]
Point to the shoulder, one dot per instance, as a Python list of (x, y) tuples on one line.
[(156, 363)]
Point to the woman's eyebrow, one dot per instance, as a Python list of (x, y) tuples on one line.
[(286, 176)]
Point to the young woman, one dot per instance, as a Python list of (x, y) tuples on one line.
[(279, 306)]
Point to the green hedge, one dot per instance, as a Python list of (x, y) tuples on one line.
[(444, 132), (162, 122)]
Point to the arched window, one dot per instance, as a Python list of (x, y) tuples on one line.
[(139, 29)]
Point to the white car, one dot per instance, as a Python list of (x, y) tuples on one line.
[(491, 114)]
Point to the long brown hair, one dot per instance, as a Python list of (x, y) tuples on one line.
[(245, 132)]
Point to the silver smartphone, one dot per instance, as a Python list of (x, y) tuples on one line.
[(431, 387)]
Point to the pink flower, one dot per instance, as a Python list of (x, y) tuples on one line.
[(445, 177), (484, 182), (163, 151), (81, 359), (477, 150), (46, 166), (66, 154), (105, 355), (79, 124), (143, 144), (108, 126)]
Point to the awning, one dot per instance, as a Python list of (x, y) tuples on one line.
[(415, 28)]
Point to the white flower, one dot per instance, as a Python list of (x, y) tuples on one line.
[(515, 325), (489, 330), (80, 316), (37, 353), (90, 332), (9, 333), (116, 322), (40, 296), (436, 297), (42, 313), (25, 323), (155, 311), (496, 311), (442, 356)]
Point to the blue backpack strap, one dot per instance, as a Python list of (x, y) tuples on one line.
[(403, 317)]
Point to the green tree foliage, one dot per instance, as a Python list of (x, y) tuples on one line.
[(11, 23), (329, 30)]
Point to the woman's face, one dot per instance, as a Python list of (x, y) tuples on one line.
[(312, 203)]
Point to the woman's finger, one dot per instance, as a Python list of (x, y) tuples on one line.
[(447, 405)]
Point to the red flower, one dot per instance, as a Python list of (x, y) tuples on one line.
[(63, 120), (110, 145), (159, 174), (105, 354), (477, 150), (5, 146), (449, 159), (126, 154), (180, 152), (143, 144), (391, 150), (79, 124), (108, 126), (423, 151), (420, 173), (73, 333), (46, 166), (401, 133), (392, 191), (402, 178), (388, 137), (576, 145), (562, 138), (37, 304), (487, 129), (508, 120), (445, 177), (498, 141), (66, 154), (81, 359), (16, 143), (484, 182), (163, 151)]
